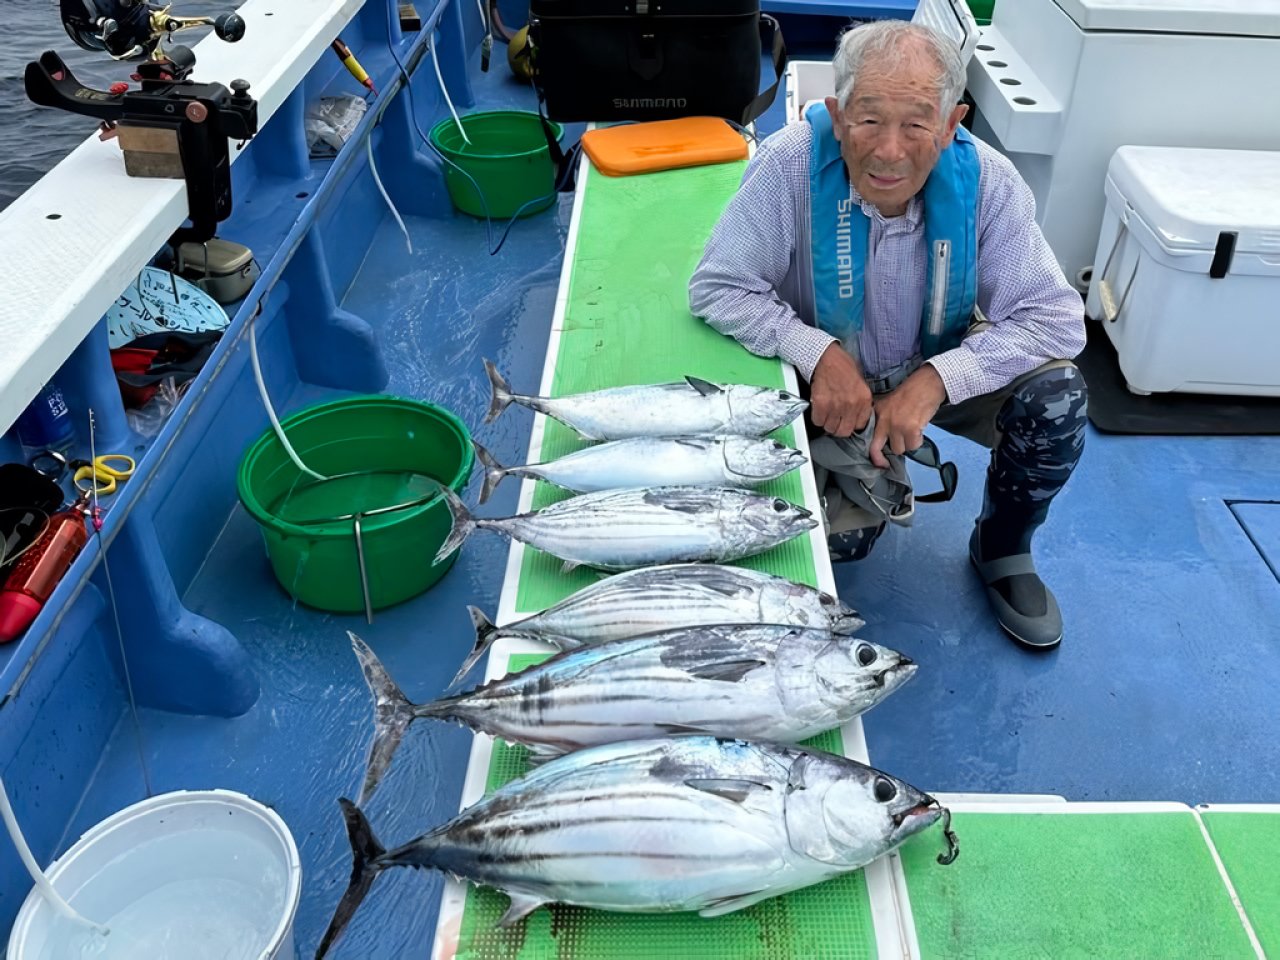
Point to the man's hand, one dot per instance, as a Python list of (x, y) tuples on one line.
[(840, 400), (902, 415)]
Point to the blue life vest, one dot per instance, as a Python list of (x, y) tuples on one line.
[(838, 230)]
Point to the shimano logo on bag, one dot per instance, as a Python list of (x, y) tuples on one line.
[(623, 103), (844, 248)]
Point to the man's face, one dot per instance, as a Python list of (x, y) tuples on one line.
[(892, 130)]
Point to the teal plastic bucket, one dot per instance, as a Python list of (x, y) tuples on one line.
[(508, 158), (382, 451)]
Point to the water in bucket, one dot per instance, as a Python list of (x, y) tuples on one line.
[(313, 501), (227, 906)]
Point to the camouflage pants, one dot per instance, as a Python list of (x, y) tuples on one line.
[(1035, 429)]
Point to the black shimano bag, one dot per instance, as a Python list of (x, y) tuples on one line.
[(610, 60)]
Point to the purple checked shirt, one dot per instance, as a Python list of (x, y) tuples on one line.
[(752, 283)]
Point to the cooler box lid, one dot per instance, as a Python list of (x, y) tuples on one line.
[(1253, 18), (1188, 196)]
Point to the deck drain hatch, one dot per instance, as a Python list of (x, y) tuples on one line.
[(1260, 521)]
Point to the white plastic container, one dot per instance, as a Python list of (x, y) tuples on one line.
[(809, 80), (1188, 306), (1059, 85), (190, 875)]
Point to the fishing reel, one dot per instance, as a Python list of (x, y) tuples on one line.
[(172, 127), (134, 29)]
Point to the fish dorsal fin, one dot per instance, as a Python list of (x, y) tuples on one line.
[(704, 387), (522, 904), (722, 905), (569, 566), (728, 671), (736, 790)]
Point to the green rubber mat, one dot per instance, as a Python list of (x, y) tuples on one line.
[(1249, 845), (627, 321), (828, 921), (1073, 885)]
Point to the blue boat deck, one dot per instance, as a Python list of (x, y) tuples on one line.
[(1163, 553)]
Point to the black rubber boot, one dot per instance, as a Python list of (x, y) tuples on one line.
[(1042, 428)]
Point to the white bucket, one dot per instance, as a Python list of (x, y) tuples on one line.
[(187, 875)]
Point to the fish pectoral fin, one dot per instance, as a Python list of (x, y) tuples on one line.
[(728, 671), (723, 905), (522, 904), (736, 790), (540, 753), (681, 729), (704, 387)]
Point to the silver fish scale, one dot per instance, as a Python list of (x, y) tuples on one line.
[(670, 410), (665, 461), (764, 682), (686, 823), (658, 598), (618, 529)]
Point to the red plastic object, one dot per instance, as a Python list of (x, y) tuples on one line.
[(39, 571)]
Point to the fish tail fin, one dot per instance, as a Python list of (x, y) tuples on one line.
[(393, 712), (366, 852), (486, 634), (501, 395), (463, 524), (493, 471)]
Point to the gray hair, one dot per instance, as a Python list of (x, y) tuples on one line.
[(883, 43)]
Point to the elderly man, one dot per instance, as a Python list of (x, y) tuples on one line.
[(895, 261)]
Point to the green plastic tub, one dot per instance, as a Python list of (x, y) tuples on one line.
[(508, 159), (381, 451), (982, 11)]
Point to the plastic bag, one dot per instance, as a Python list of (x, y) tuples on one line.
[(330, 121), (149, 419)]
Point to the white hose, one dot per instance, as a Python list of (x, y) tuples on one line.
[(484, 17), (383, 190), (41, 881), (435, 59), (266, 402)]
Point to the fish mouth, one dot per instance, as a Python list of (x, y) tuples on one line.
[(919, 810), (848, 623), (904, 665)]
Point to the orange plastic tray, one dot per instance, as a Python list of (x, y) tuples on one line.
[(663, 145)]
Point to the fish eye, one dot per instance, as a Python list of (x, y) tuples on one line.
[(783, 395), (884, 790), (777, 445), (826, 600), (866, 654), (780, 505)]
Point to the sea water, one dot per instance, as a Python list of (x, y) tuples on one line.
[(194, 895)]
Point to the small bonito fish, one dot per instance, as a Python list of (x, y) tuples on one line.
[(693, 407), (622, 529), (658, 826), (655, 462), (756, 681), (651, 599)]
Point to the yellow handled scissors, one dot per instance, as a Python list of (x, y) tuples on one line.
[(105, 472)]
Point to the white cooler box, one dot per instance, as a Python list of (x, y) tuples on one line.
[(1186, 275)]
